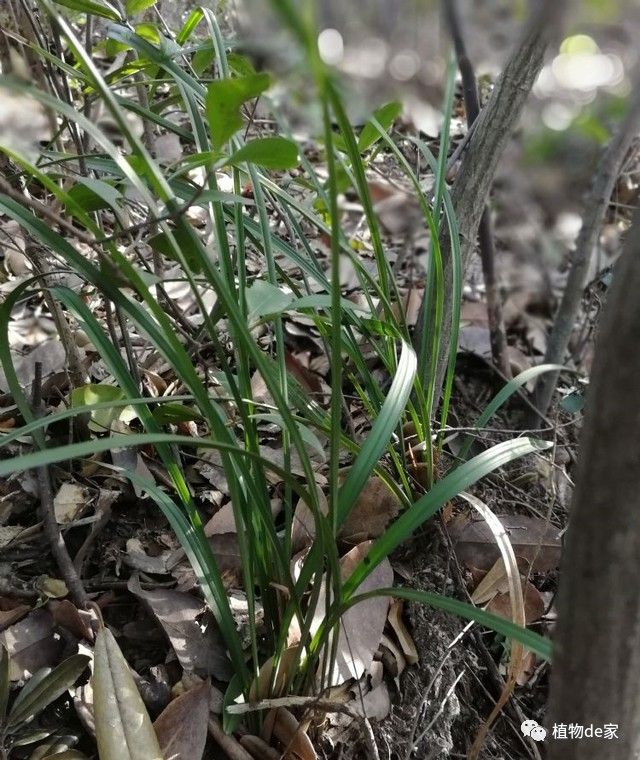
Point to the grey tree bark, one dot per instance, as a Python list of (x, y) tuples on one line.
[(478, 165), (486, 247), (597, 660)]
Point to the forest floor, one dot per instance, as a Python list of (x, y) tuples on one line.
[(130, 562)]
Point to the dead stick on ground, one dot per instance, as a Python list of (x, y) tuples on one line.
[(229, 744), (595, 207), (51, 527), (486, 245)]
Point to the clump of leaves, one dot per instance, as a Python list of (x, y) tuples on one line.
[(19, 725)]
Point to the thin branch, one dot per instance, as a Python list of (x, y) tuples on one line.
[(48, 515), (595, 207)]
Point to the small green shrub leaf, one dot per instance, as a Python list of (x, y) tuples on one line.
[(137, 6), (94, 194), (123, 727), (172, 414), (203, 58), (269, 152), (385, 116), (264, 299), (162, 244), (53, 685), (224, 100), (86, 395), (104, 9), (240, 64)]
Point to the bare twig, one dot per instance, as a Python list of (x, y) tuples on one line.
[(77, 372), (47, 511), (595, 207)]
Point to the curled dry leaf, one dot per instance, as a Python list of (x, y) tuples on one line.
[(393, 659), (405, 639), (494, 582), (494, 589), (268, 685), (181, 728), (69, 503), (123, 727), (191, 629), (295, 742)]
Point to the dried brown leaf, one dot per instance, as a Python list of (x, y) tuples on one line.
[(535, 542), (494, 582), (191, 629), (137, 558), (32, 644), (500, 604), (374, 509), (303, 527), (181, 728), (296, 743), (68, 616), (268, 685), (69, 503), (361, 626)]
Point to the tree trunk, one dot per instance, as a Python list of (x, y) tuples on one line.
[(492, 132), (597, 663)]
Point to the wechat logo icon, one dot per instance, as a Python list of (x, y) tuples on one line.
[(533, 729)]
